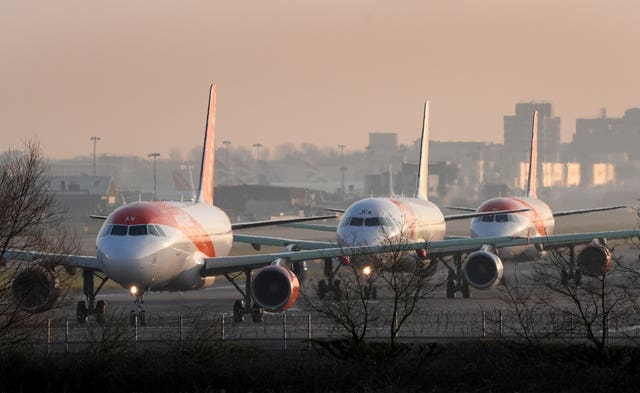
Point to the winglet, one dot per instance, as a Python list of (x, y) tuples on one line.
[(532, 183), (423, 166), (207, 169)]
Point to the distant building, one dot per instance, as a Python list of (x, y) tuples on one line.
[(517, 137), (608, 138), (84, 195)]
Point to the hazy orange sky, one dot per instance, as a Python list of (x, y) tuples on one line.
[(326, 72)]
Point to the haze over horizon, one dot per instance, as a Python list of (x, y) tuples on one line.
[(324, 72)]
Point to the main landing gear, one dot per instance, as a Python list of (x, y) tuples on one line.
[(330, 284), (571, 273), (89, 306), (456, 280), (242, 307)]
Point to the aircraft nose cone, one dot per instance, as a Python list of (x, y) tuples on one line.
[(363, 237), (127, 264)]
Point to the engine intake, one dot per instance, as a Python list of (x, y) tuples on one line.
[(594, 259), (275, 288), (483, 269), (35, 289)]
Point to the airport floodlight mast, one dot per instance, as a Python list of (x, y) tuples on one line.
[(342, 167), (226, 144), (258, 146), (94, 139), (155, 178)]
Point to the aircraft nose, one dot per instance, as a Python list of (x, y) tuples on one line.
[(363, 237), (128, 264), (493, 229)]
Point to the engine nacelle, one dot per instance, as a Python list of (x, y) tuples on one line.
[(483, 269), (35, 289), (594, 259), (275, 288)]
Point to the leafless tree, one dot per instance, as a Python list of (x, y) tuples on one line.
[(29, 222), (589, 308)]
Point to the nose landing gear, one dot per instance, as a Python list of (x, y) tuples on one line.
[(137, 316)]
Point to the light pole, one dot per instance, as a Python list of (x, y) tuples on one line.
[(226, 144), (257, 146), (155, 178), (94, 139), (342, 167)]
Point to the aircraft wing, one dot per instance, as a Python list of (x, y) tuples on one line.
[(332, 209), (461, 208), (256, 224), (221, 265), (83, 261), (571, 239), (315, 227), (582, 211), (481, 214), (256, 241)]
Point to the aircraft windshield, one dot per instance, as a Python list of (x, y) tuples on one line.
[(500, 218), (133, 230)]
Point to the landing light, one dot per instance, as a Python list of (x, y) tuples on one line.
[(133, 290), (366, 270)]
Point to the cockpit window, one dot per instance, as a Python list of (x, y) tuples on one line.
[(105, 230), (137, 230), (371, 222), (488, 218), (153, 231), (356, 221), (119, 230), (502, 218)]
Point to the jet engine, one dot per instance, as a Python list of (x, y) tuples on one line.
[(483, 269), (594, 259), (35, 289), (275, 288)]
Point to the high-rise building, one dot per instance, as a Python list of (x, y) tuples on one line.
[(608, 137)]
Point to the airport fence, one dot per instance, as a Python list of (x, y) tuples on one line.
[(293, 330)]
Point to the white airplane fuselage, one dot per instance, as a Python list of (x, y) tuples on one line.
[(376, 221), (161, 245), (537, 221)]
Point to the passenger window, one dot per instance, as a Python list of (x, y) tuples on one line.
[(105, 230), (501, 218), (137, 230), (356, 221), (119, 230), (488, 218)]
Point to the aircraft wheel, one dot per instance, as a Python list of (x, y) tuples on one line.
[(101, 310), (322, 289), (577, 277), (238, 308), (337, 291), (81, 312), (257, 313), (133, 318), (564, 277), (466, 293), (451, 286)]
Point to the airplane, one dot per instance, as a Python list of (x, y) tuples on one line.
[(411, 222), (145, 246), (169, 246), (483, 267)]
